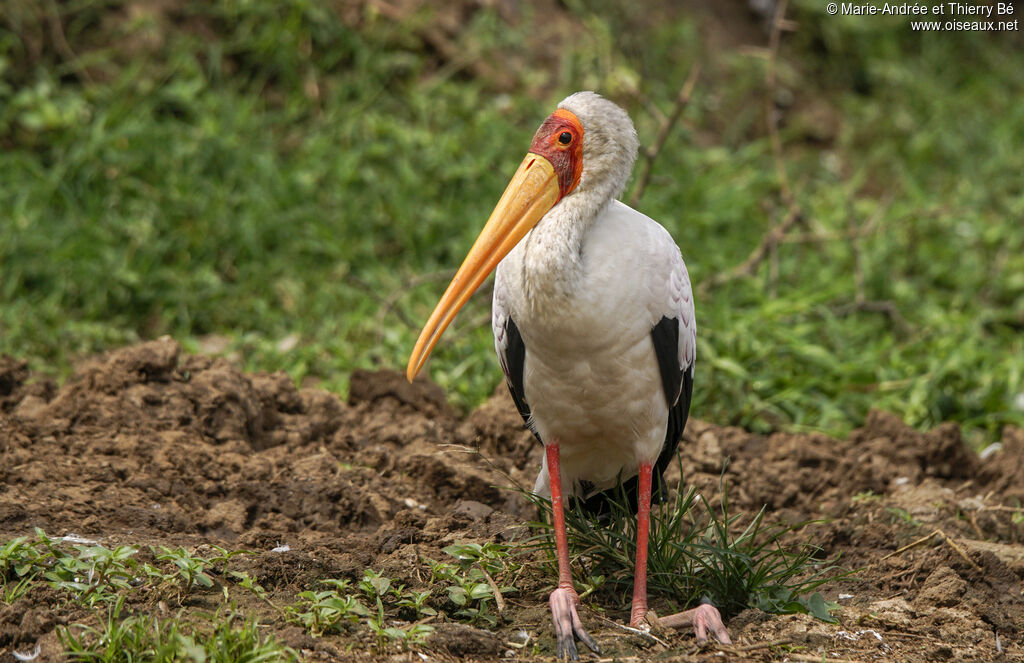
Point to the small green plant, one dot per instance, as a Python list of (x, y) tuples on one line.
[(332, 610), (236, 639), (899, 515), (90, 573), (866, 496), (416, 603), (246, 581), (14, 590), (376, 586), (20, 565), (413, 634), (326, 611), (492, 557), (474, 595), (97, 574), (17, 558), (191, 570), (385, 593), (470, 581)]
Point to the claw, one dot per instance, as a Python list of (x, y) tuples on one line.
[(564, 602)]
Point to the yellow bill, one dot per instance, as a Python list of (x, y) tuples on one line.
[(531, 193)]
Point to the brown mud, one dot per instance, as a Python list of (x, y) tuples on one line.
[(150, 446)]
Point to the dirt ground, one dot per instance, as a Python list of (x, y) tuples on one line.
[(151, 446)]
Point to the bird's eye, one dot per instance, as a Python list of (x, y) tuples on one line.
[(565, 138)]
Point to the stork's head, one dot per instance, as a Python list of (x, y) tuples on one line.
[(609, 144), (584, 150)]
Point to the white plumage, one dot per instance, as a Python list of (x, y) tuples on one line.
[(591, 375)]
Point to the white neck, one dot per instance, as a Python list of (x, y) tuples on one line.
[(553, 251)]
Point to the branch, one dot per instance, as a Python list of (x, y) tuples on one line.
[(388, 304), (757, 256), (651, 154), (769, 103), (60, 42), (769, 243), (883, 306)]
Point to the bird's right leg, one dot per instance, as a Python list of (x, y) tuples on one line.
[(564, 600)]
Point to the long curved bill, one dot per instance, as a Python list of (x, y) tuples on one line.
[(531, 193)]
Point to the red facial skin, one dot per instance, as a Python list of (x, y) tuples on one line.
[(566, 159)]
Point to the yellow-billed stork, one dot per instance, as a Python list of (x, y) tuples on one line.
[(594, 325)]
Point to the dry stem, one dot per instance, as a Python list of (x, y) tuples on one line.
[(651, 154)]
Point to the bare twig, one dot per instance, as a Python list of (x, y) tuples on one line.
[(769, 102), (633, 90), (630, 629), (769, 243), (821, 238), (817, 658), (389, 303), (651, 154), (473, 451), (883, 306), (907, 547), (973, 518), (384, 301), (760, 252), (960, 551), (773, 268), (465, 328), (859, 288), (860, 301), (946, 539), (499, 600), (60, 42), (455, 56), (761, 645)]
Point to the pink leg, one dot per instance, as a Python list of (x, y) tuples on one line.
[(643, 527), (564, 600), (704, 617)]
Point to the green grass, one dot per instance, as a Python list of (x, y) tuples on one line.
[(120, 589), (280, 175), (229, 638), (698, 552)]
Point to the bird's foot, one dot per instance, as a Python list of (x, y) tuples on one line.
[(564, 603), (705, 619), (638, 615)]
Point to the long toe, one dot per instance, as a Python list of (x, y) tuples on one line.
[(706, 618), (568, 627)]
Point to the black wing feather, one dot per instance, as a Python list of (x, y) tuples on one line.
[(515, 361)]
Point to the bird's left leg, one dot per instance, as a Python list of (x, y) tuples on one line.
[(643, 526), (704, 617)]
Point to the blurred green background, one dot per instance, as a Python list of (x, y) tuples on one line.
[(290, 183)]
